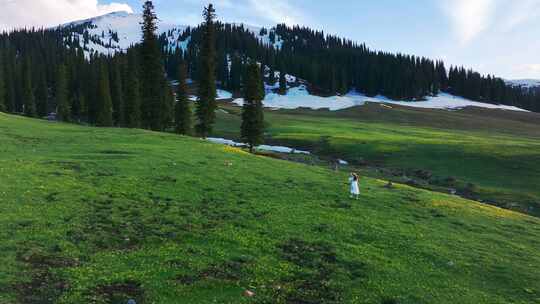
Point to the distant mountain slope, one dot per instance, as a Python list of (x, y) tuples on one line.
[(114, 32), (329, 64), (525, 83)]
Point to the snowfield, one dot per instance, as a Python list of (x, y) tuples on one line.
[(299, 97)]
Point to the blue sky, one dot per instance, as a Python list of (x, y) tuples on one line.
[(500, 37)]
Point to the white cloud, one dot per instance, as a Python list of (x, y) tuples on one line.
[(254, 12), (40, 13), (519, 12), (277, 11), (529, 69), (469, 17)]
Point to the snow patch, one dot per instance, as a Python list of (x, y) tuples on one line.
[(299, 97), (221, 94), (279, 149), (224, 141)]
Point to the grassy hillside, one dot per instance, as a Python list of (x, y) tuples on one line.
[(488, 155), (93, 215)]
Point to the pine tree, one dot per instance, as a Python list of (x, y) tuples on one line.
[(2, 85), (152, 72), (81, 106), (282, 82), (63, 111), (235, 78), (117, 95), (105, 107), (42, 96), (132, 94), (9, 79), (169, 101), (206, 102), (182, 110), (252, 129), (223, 70), (271, 77), (28, 92)]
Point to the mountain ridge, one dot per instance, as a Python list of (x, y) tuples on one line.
[(117, 31), (125, 27)]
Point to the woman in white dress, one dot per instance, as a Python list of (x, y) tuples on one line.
[(355, 190)]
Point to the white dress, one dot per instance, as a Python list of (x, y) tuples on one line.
[(354, 186)]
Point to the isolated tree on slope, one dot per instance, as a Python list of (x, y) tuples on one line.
[(252, 129), (206, 102), (63, 110), (182, 111), (152, 72), (105, 107)]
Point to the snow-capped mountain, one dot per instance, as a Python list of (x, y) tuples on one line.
[(524, 83), (116, 32)]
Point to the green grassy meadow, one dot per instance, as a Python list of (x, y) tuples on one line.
[(91, 215), (487, 155)]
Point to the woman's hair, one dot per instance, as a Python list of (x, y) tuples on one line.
[(355, 176)]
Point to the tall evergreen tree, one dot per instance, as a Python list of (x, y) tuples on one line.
[(63, 110), (167, 114), (235, 78), (81, 106), (2, 85), (252, 129), (132, 94), (223, 70), (9, 79), (42, 96), (117, 95), (182, 110), (28, 91), (271, 76), (152, 72), (282, 82), (105, 107), (206, 102)]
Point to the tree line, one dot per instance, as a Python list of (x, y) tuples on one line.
[(42, 73), (331, 65)]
